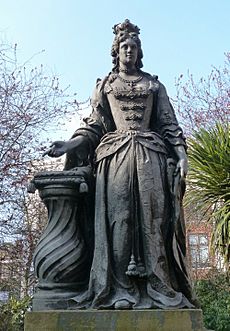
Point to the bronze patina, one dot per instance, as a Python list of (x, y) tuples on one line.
[(136, 152)]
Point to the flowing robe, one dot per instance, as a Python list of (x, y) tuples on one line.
[(139, 252)]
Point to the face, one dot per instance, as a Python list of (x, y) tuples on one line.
[(128, 52)]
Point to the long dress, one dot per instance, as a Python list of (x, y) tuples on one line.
[(139, 254)]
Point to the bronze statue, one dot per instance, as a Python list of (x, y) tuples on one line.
[(137, 151)]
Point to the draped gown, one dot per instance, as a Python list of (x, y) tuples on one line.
[(139, 254)]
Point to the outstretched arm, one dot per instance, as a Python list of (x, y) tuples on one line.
[(85, 140), (59, 148)]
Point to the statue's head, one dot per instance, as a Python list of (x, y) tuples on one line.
[(123, 31)]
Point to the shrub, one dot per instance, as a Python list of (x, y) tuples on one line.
[(214, 297), (12, 314)]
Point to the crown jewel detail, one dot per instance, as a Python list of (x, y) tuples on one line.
[(126, 27)]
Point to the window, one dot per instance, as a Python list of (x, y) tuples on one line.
[(199, 251)]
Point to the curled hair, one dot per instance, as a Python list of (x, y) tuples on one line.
[(120, 37)]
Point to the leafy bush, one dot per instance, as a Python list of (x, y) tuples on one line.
[(214, 297), (12, 314)]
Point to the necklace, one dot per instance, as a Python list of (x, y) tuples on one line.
[(128, 71), (132, 82)]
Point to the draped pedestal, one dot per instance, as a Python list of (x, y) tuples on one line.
[(63, 256)]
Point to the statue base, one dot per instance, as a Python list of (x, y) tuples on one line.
[(115, 320)]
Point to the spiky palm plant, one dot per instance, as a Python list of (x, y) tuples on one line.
[(209, 182)]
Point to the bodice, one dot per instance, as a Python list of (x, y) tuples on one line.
[(131, 102)]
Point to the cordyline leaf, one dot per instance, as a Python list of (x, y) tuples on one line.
[(220, 236), (209, 181)]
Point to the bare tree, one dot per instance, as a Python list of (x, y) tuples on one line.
[(31, 103), (204, 102)]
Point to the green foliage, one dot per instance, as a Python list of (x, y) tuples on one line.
[(12, 314), (214, 297), (209, 181)]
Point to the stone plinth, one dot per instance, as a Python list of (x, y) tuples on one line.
[(115, 320)]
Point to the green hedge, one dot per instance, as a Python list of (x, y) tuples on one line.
[(214, 297), (12, 314)]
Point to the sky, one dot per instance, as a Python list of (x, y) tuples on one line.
[(76, 35)]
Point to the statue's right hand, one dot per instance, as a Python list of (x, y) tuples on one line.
[(58, 148)]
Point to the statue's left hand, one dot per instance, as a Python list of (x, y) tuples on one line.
[(182, 167), (182, 163)]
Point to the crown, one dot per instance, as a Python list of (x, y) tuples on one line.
[(126, 26)]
